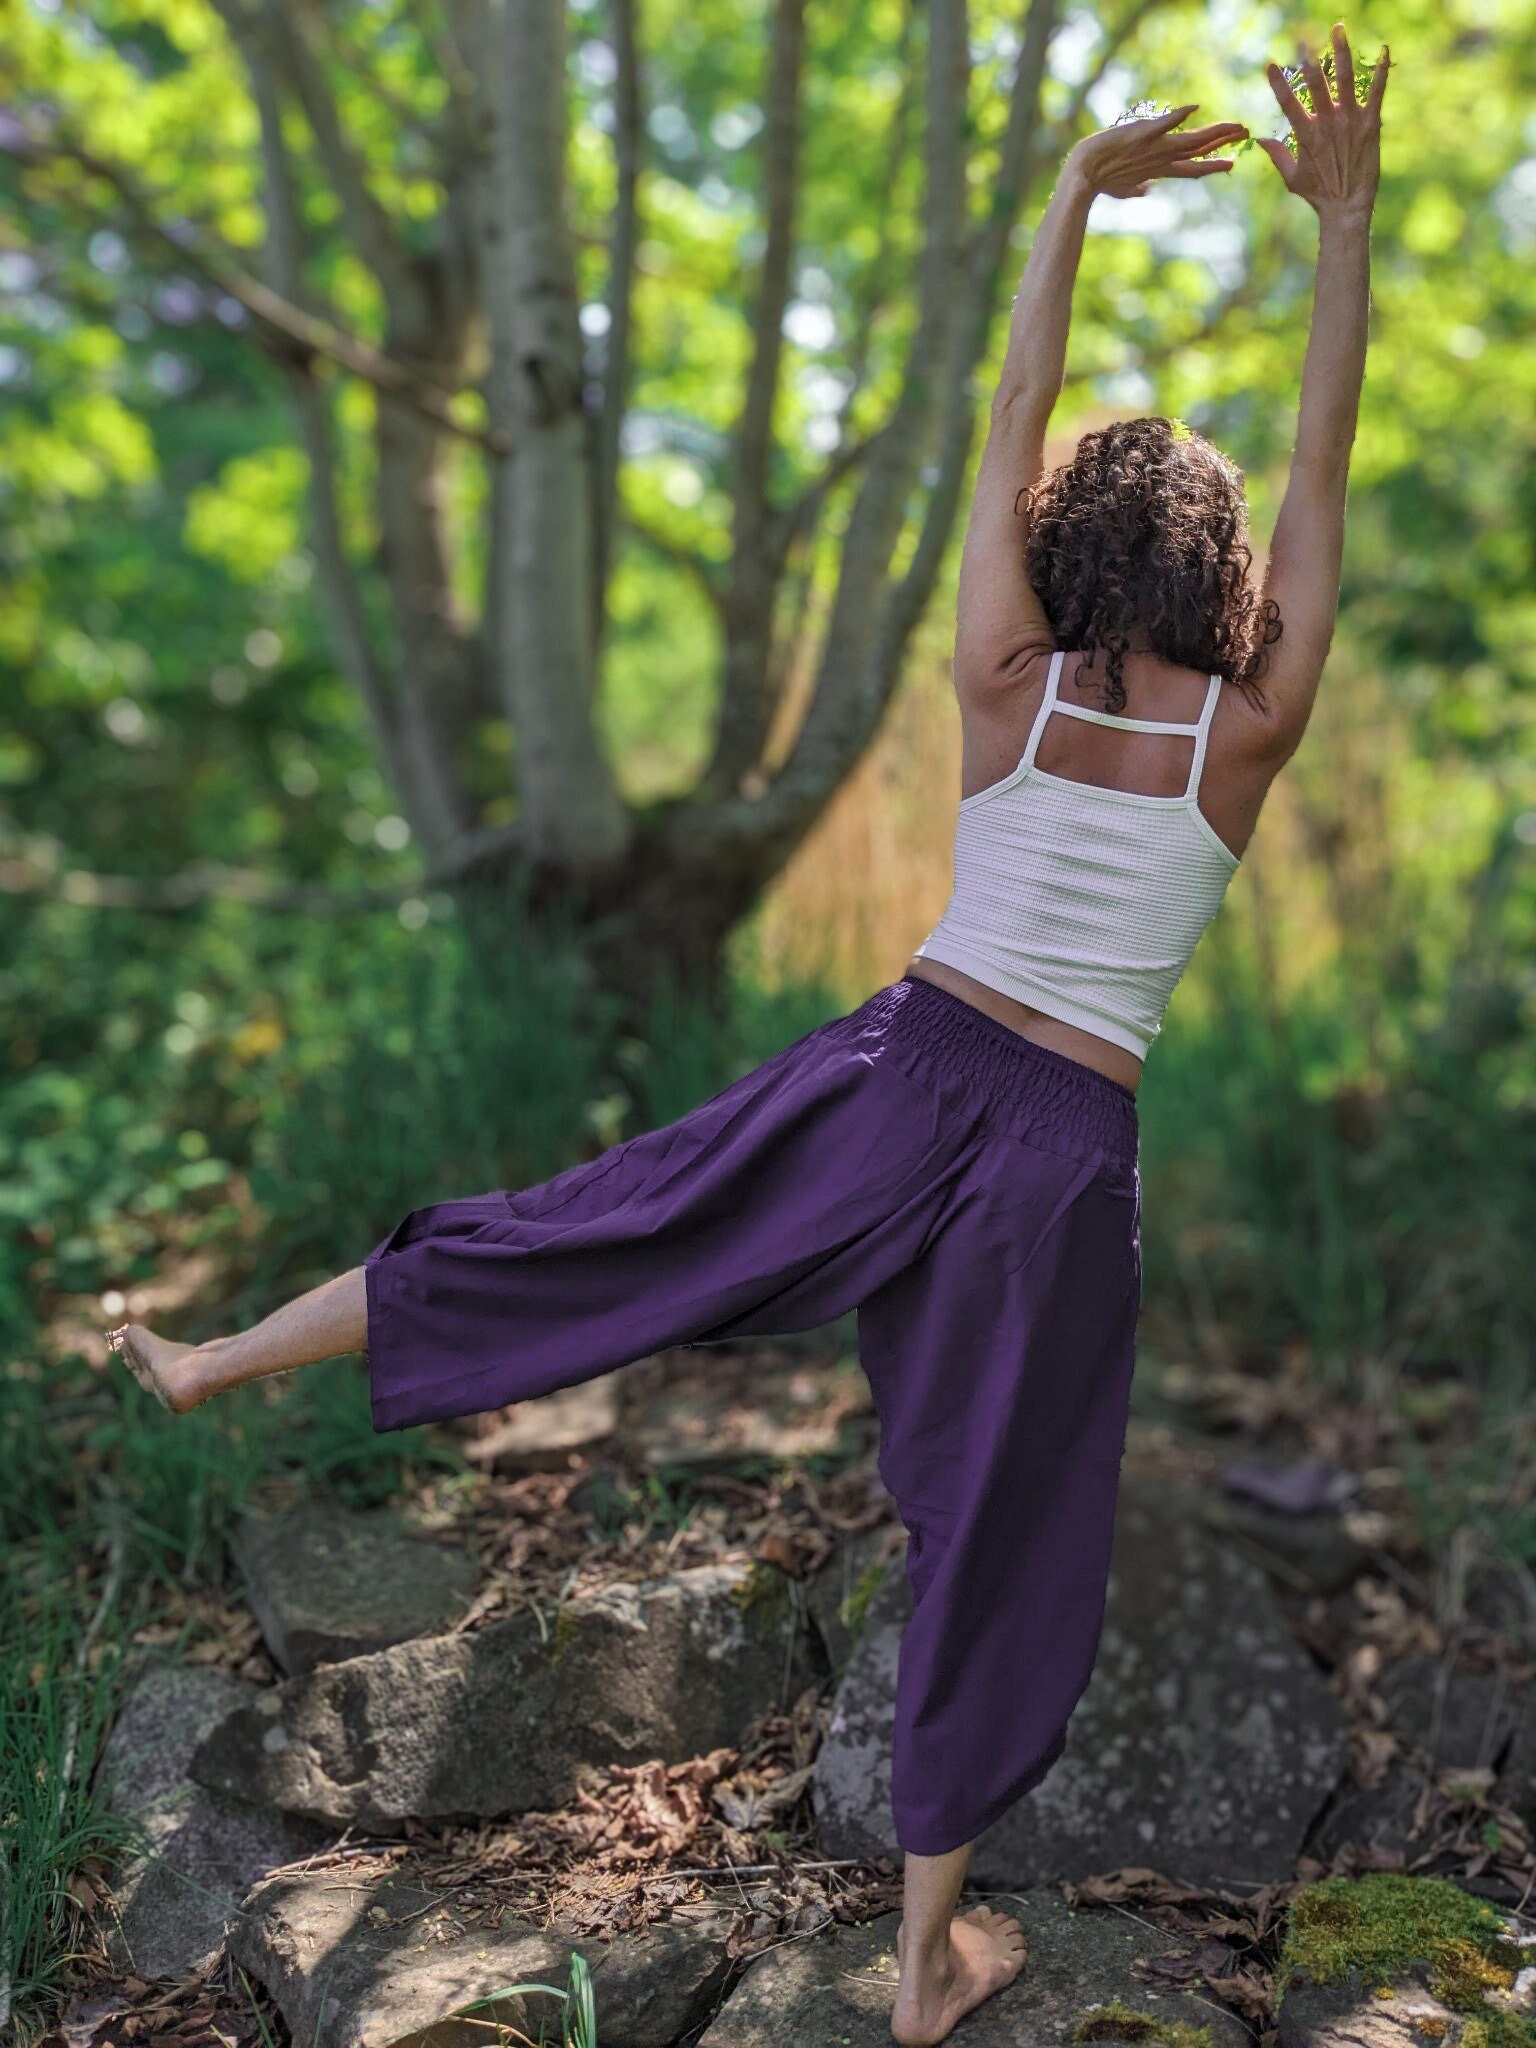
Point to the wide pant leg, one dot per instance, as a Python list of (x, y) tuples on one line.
[(776, 1205), (1001, 1366)]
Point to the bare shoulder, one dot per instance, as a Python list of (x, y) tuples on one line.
[(994, 696), (997, 709), (1247, 750), (1258, 723)]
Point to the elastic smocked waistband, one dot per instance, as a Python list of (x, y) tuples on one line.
[(1032, 1087)]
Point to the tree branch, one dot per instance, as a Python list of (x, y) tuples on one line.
[(204, 880), (284, 260), (290, 25), (806, 508), (758, 532), (851, 689), (284, 330), (627, 149), (407, 737), (698, 566), (881, 273), (978, 302)]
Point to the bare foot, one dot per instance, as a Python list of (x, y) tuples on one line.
[(162, 1368), (987, 1950)]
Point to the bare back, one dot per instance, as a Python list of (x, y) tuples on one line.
[(1240, 764)]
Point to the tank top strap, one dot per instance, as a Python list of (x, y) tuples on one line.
[(1047, 706), (1203, 734)]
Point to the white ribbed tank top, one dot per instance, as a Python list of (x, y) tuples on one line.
[(1084, 902)]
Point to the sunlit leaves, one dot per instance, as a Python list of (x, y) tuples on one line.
[(251, 518), (89, 441)]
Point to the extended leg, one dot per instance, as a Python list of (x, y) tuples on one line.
[(775, 1205), (329, 1320), (948, 1965)]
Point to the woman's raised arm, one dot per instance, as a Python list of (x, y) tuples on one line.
[(1002, 624), (1335, 170)]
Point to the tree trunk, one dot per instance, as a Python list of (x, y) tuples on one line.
[(542, 544)]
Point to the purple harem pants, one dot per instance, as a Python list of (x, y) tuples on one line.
[(976, 1197)]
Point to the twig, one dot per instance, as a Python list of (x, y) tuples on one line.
[(321, 1857), (740, 1870), (735, 1873)]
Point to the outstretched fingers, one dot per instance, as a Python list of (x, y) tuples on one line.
[(1378, 84), (1159, 124), (1194, 159), (1323, 103), (1211, 137), (1290, 106), (1343, 69)]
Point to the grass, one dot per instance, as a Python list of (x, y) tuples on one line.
[(59, 1680), (578, 2011), (1379, 1223)]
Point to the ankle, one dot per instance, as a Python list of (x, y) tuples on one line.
[(213, 1367), (931, 1955)]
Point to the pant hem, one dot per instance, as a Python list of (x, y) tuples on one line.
[(371, 1346), (947, 1842)]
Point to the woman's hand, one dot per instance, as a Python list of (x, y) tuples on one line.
[(1338, 145), (1122, 160)]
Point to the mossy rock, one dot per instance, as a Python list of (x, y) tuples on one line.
[(509, 1717), (1386, 1924), (563, 1634), (1123, 2024), (843, 1593), (1418, 1952), (856, 1605), (765, 1591)]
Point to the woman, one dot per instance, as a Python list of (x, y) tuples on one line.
[(957, 1158)]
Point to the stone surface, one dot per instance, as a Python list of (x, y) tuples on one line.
[(504, 1719), (1461, 1719), (836, 1989), (1352, 2013), (204, 1849), (542, 1434), (1517, 1777), (1203, 1746), (1450, 1719), (1303, 1553), (379, 1962), (703, 1412), (1300, 1487), (326, 1584)]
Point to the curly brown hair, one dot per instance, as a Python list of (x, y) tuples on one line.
[(1147, 527)]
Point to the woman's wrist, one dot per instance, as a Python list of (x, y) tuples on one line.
[(1075, 182), (1346, 216)]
